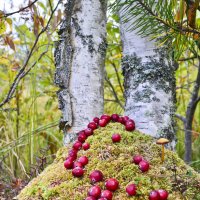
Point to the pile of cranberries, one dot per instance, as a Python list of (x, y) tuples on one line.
[(77, 165)]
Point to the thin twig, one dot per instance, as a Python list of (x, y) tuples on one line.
[(114, 92), (186, 59), (118, 78), (22, 72), (18, 11), (50, 5), (183, 119)]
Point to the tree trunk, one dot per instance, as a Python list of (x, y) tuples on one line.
[(79, 58), (149, 84), (189, 118)]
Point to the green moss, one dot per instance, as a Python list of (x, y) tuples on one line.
[(114, 160)]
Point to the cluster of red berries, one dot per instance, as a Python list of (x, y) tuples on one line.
[(95, 191), (111, 185)]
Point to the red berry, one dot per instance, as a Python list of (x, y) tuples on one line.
[(77, 145), (130, 126), (88, 131), (96, 176), (112, 184), (144, 166), (137, 159), (130, 120), (73, 154), (90, 198), (131, 190), (68, 164), (96, 120), (102, 198), (116, 137), (106, 117), (77, 172), (107, 194), (154, 195), (82, 137), (163, 194), (83, 160), (102, 122), (86, 146), (77, 164), (114, 117), (126, 118), (95, 191), (92, 125), (121, 120)]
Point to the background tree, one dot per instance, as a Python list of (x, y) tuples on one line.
[(149, 82), (175, 23)]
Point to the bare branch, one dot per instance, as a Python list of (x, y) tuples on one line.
[(114, 92), (118, 78), (185, 59), (183, 119), (50, 5), (110, 100), (22, 71), (18, 11), (197, 101)]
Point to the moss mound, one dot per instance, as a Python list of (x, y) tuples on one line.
[(114, 160)]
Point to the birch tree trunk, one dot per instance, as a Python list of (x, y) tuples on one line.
[(149, 84), (79, 58)]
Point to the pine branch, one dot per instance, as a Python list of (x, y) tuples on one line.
[(156, 19)]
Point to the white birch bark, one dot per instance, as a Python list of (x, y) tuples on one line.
[(79, 59), (149, 84)]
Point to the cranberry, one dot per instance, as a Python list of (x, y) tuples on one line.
[(96, 120), (154, 195), (121, 120), (116, 137), (95, 191), (88, 131), (131, 190), (77, 172), (102, 122), (68, 164), (106, 117), (96, 176), (92, 125), (114, 117), (126, 118), (77, 164), (107, 194), (130, 126), (144, 166), (137, 159), (90, 198), (73, 154), (163, 194), (77, 145), (86, 146), (83, 160), (82, 137), (112, 184)]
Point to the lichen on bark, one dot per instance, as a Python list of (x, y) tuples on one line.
[(146, 82), (63, 61)]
